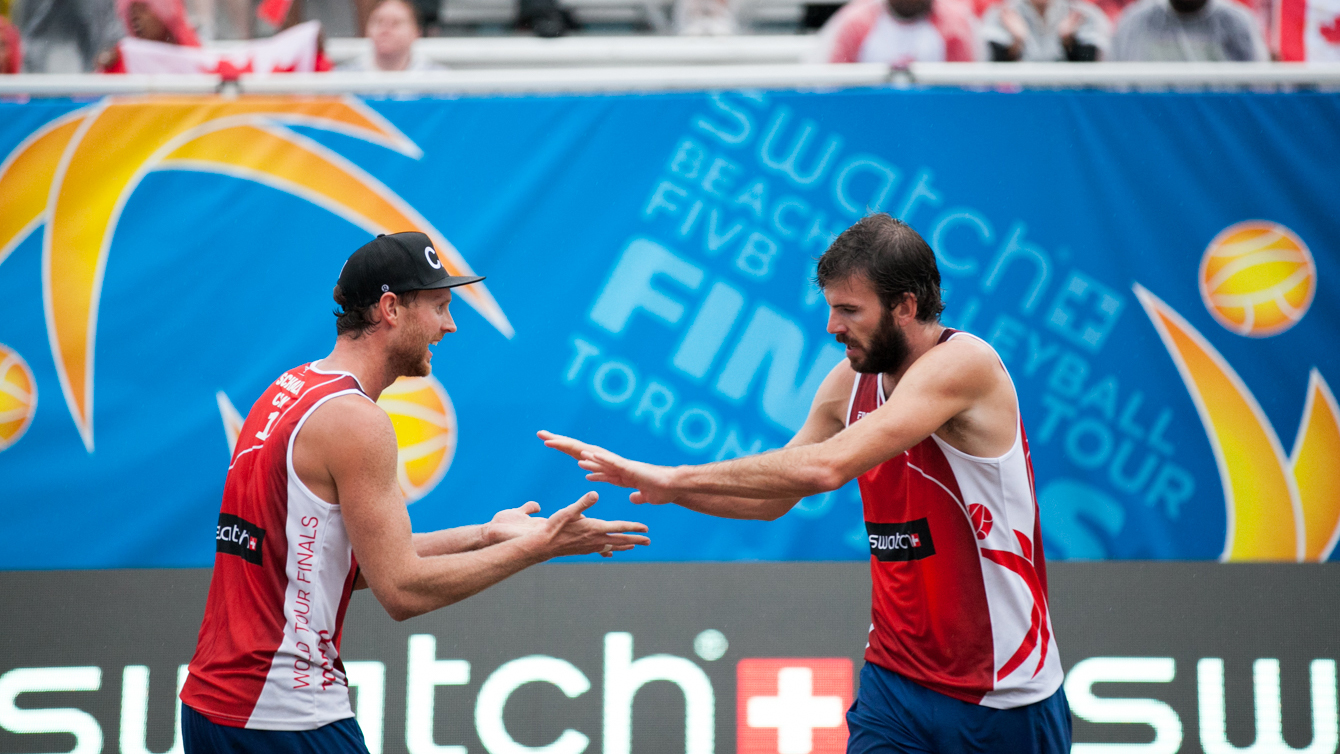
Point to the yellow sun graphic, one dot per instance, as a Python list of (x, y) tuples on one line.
[(422, 416), (1280, 505), (425, 432), (74, 176)]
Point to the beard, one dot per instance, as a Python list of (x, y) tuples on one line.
[(886, 351), (408, 357)]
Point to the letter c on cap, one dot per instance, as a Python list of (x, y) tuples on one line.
[(431, 256)]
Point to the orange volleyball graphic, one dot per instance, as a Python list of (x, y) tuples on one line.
[(18, 396), (425, 431), (1257, 278)]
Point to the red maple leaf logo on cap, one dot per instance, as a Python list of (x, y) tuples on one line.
[(1331, 32)]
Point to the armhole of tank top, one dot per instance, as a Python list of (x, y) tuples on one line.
[(312, 366), (1018, 410), (851, 402), (293, 438)]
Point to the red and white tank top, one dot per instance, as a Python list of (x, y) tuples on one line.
[(959, 601), (268, 654)]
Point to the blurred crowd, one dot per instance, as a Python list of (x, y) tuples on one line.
[(80, 36), (898, 32), (70, 36)]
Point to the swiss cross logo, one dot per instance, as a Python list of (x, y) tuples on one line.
[(251, 544), (916, 540), (793, 705)]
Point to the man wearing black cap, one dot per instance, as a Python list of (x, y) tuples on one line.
[(312, 511)]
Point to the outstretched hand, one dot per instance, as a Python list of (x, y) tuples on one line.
[(651, 484), (570, 532), (514, 522)]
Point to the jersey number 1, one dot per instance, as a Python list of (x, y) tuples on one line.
[(269, 422)]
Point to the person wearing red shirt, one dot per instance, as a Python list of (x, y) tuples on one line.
[(11, 48), (961, 655), (898, 32), (312, 511)]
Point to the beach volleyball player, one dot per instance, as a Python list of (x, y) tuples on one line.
[(312, 511), (961, 655)]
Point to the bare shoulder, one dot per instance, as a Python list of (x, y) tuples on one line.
[(351, 412), (839, 382), (960, 365), (835, 392), (828, 412), (348, 426)]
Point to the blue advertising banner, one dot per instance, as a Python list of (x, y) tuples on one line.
[(1157, 272)]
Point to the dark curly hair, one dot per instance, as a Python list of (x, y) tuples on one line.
[(895, 258), (354, 320)]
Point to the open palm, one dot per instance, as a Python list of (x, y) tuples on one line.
[(650, 482)]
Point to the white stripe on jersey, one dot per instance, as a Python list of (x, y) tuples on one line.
[(1001, 485), (303, 689)]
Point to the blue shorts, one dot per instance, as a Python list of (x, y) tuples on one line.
[(201, 736), (892, 715)]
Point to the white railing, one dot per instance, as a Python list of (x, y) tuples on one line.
[(533, 52), (615, 78), (1123, 75), (469, 81)]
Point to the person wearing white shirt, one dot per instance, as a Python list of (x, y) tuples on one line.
[(1188, 31), (1046, 31)]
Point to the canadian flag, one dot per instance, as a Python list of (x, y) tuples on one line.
[(1308, 30), (289, 51)]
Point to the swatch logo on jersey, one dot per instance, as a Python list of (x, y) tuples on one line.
[(900, 542), (1258, 280), (237, 536), (74, 176)]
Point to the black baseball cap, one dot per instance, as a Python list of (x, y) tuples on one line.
[(396, 263)]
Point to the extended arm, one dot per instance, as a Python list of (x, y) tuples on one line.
[(449, 541), (825, 419), (507, 524), (936, 388), (357, 444)]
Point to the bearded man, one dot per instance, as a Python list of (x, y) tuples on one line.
[(961, 654), (312, 510)]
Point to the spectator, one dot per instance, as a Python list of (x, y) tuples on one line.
[(11, 48), (1188, 31), (393, 27), (427, 11), (65, 36), (237, 13), (898, 32), (705, 18), (1046, 30), (546, 18), (200, 14), (323, 62), (154, 20)]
